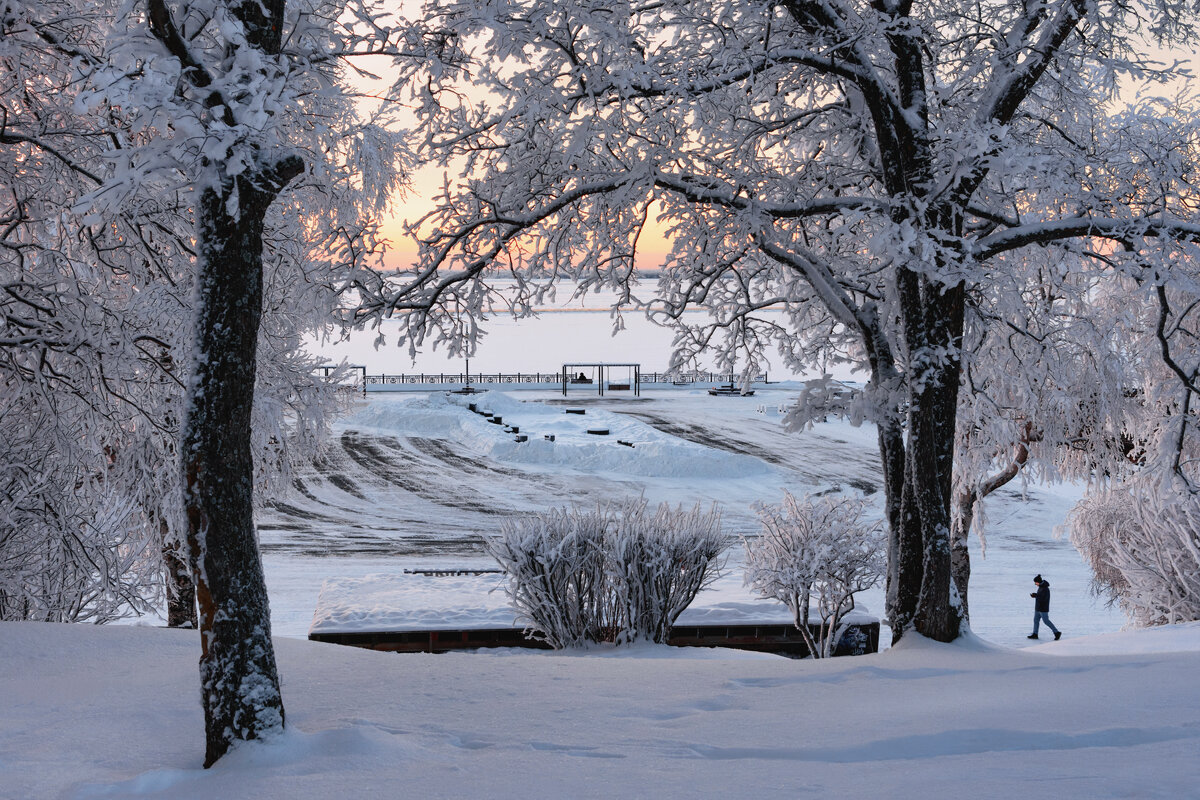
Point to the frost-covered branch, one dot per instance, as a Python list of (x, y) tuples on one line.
[(1121, 230)]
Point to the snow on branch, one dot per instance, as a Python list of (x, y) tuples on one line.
[(1121, 230)]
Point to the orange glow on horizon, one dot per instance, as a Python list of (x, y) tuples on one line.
[(418, 200)]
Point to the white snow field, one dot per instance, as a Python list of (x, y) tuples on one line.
[(113, 712), (415, 479)]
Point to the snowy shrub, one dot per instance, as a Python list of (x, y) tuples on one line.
[(613, 574), (658, 562), (1142, 541), (556, 579), (817, 552)]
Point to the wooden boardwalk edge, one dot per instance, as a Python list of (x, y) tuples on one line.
[(779, 638)]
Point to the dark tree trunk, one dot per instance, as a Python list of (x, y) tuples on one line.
[(891, 451), (239, 681), (922, 596), (181, 589)]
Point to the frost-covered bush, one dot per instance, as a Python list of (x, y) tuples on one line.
[(815, 552), (1142, 540), (556, 577), (86, 558), (658, 562), (617, 573)]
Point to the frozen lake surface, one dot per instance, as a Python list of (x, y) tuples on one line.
[(414, 480)]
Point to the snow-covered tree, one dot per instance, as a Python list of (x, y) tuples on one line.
[(888, 175), (164, 135), (815, 555), (93, 359), (1142, 540), (238, 116), (89, 317), (1139, 527)]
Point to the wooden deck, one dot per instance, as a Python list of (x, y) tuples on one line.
[(783, 639)]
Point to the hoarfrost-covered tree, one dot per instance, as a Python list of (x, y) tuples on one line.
[(888, 175), (815, 555), (89, 318), (93, 359), (231, 103), (1142, 540), (1139, 527)]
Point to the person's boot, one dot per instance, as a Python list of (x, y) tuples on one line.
[(1057, 635), (1031, 636)]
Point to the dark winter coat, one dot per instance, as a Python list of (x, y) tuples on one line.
[(1042, 595)]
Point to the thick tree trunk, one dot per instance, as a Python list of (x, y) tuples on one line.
[(923, 596), (239, 680)]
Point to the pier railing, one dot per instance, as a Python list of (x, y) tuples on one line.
[(511, 378)]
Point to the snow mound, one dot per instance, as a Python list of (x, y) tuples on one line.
[(1183, 638), (630, 447)]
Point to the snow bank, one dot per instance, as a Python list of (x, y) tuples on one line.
[(1142, 641)]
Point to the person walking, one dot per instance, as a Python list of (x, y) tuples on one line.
[(1041, 608)]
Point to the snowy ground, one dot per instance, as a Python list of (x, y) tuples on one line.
[(113, 712), (415, 479)]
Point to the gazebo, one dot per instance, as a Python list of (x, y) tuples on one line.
[(600, 375)]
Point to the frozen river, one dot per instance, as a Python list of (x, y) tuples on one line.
[(415, 479)]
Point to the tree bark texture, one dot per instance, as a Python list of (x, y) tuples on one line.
[(239, 680), (920, 591), (181, 589)]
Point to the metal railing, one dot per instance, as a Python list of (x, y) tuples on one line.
[(502, 378)]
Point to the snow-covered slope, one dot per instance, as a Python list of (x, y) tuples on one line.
[(415, 478)]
